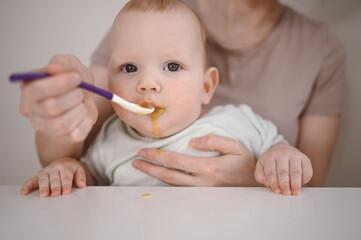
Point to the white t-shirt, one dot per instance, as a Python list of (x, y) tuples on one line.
[(110, 158)]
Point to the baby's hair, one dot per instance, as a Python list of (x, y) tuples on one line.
[(161, 6), (148, 5)]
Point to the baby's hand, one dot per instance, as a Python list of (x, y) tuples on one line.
[(284, 169), (57, 178)]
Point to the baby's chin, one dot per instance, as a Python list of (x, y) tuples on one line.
[(154, 133), (161, 127)]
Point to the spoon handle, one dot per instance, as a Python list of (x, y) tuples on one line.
[(25, 77)]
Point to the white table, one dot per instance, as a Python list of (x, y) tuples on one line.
[(181, 213)]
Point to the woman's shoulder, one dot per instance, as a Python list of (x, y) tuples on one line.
[(302, 24), (302, 33)]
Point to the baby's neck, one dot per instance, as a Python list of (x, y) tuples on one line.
[(203, 111)]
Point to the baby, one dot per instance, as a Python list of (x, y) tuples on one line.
[(158, 60)]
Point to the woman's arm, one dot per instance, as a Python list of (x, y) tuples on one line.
[(317, 139)]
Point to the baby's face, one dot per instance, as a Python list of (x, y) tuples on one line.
[(157, 60)]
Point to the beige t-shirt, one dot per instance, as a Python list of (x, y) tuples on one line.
[(299, 69)]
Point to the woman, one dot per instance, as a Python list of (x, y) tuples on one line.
[(290, 69)]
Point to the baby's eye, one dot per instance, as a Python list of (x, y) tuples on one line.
[(129, 68), (173, 67)]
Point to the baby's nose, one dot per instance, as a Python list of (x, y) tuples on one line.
[(149, 85)]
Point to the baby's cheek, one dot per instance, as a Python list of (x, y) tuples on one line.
[(121, 88), (122, 113), (188, 113)]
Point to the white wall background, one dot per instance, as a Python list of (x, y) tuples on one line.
[(33, 31)]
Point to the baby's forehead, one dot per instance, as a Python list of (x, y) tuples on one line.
[(180, 22), (164, 6), (175, 28), (187, 15)]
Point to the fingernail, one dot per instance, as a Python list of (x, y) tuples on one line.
[(43, 194), (141, 153), (277, 190), (76, 79), (65, 191), (297, 192), (82, 183), (195, 141), (287, 192), (135, 164)]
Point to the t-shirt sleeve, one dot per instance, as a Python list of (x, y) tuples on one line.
[(101, 55), (327, 96), (267, 131), (93, 160)]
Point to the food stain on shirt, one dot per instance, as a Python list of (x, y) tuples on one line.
[(154, 116), (160, 151)]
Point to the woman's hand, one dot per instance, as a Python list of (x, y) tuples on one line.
[(57, 178), (234, 167), (56, 105), (284, 169)]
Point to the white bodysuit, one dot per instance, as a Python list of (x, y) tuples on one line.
[(110, 158)]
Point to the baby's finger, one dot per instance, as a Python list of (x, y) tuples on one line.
[(66, 178), (260, 175), (271, 173), (55, 185), (29, 186), (307, 171), (296, 176), (283, 174), (80, 177), (43, 183)]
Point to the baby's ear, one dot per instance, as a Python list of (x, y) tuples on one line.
[(211, 79)]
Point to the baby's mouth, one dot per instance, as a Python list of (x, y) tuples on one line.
[(158, 109)]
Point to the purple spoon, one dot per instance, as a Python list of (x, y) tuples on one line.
[(24, 77)]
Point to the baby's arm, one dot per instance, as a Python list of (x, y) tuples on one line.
[(284, 169), (58, 177)]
